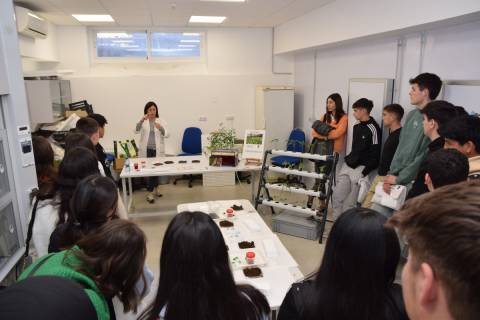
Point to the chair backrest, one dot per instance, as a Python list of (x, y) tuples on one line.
[(192, 140), (296, 140)]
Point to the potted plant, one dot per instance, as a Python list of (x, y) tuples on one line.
[(222, 139)]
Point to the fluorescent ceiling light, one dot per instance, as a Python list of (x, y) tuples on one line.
[(93, 17), (223, 0), (206, 19), (191, 34)]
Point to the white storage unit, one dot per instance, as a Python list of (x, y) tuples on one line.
[(47, 100), (274, 114)]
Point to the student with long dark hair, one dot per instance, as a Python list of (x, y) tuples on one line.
[(94, 203), (355, 279), (106, 263), (77, 164), (195, 277), (337, 119)]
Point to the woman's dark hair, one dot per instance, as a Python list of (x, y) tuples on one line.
[(148, 105), (78, 139), (77, 164), (93, 204), (339, 112), (195, 277), (114, 257), (361, 256), (46, 173)]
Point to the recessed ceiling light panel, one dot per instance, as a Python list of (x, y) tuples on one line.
[(93, 17), (206, 19)]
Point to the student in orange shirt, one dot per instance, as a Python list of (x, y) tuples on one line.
[(336, 117)]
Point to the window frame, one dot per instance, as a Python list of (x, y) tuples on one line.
[(92, 39)]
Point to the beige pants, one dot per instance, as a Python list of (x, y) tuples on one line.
[(367, 203)]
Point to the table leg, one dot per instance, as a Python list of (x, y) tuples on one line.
[(130, 190), (124, 188), (254, 178)]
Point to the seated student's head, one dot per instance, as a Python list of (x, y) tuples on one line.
[(442, 274), (46, 298), (101, 120), (195, 277), (357, 269), (445, 166), (424, 88), (463, 134), (392, 114), (114, 257), (93, 203), (436, 114), (362, 108), (77, 164), (78, 139), (90, 127), (46, 173)]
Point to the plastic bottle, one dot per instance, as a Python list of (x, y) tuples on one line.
[(127, 165)]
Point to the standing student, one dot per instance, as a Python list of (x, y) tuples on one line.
[(444, 167), (335, 117), (91, 129), (413, 144), (196, 282), (463, 134), (101, 155), (153, 132), (362, 159), (392, 117), (436, 114), (356, 276), (441, 277)]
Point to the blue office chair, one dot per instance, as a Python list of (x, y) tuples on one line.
[(296, 143), (191, 146)]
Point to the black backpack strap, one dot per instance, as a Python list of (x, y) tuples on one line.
[(38, 265), (30, 227)]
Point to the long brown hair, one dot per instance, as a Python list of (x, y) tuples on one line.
[(114, 257), (46, 173), (339, 112)]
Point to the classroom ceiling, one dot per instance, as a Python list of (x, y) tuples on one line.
[(174, 13)]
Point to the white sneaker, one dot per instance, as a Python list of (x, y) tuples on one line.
[(157, 192), (150, 198)]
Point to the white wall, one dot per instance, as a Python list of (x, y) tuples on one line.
[(450, 52), (237, 61), (345, 20)]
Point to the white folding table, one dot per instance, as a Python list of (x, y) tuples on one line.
[(172, 166), (280, 269)]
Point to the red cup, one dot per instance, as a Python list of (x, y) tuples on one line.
[(229, 212), (250, 257), (135, 165)]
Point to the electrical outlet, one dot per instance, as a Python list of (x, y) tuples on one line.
[(202, 118), (230, 117)]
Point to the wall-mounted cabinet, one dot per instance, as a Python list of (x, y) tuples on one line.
[(47, 100)]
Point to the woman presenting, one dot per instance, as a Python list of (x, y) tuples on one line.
[(153, 131)]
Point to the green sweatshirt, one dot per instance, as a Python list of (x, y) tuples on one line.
[(63, 264), (411, 149)]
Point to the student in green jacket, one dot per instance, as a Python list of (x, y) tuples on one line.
[(413, 144), (106, 263)]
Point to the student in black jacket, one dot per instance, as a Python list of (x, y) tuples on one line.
[(363, 158), (101, 155), (355, 279), (392, 117)]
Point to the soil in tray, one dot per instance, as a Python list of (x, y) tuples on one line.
[(253, 272), (226, 224), (246, 244)]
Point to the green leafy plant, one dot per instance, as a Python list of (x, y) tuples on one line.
[(223, 138)]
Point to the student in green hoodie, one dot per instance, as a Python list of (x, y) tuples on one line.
[(106, 263), (413, 143)]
